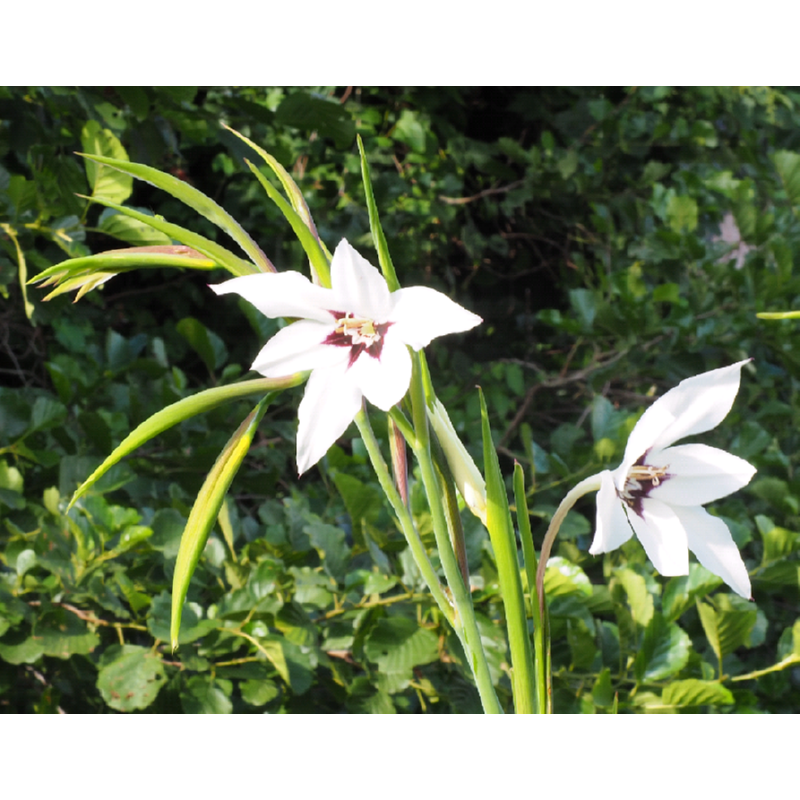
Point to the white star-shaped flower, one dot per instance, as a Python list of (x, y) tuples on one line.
[(353, 338), (658, 491)]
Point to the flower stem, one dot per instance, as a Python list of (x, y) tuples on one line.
[(465, 625), (590, 484), (403, 515)]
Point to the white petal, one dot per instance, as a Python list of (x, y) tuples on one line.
[(357, 285), (330, 403), (613, 528), (663, 537), (282, 294), (384, 381), (712, 543), (698, 474), (421, 314), (299, 347), (695, 405)]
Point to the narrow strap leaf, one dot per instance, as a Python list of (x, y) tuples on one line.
[(223, 257), (194, 199), (384, 259), (206, 508), (184, 409), (319, 261)]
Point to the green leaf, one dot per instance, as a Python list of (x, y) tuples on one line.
[(130, 677), (384, 258), (206, 508), (308, 113), (204, 342), (664, 650), (726, 629), (194, 199), (788, 166), (205, 695), (692, 692), (62, 634), (109, 183), (681, 592), (504, 544), (177, 412), (221, 255), (682, 213), (397, 644), (639, 599), (308, 238), (131, 230)]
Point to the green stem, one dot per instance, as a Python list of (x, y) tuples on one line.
[(465, 626), (590, 484), (403, 515)]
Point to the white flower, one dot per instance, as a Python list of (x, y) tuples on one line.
[(352, 337), (658, 490)]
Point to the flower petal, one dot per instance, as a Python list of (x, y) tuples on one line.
[(711, 541), (299, 347), (698, 474), (663, 537), (613, 528), (695, 405), (385, 380), (357, 286), (282, 294), (330, 403), (421, 314)]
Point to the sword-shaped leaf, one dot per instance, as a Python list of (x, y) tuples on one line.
[(206, 508), (194, 199), (184, 409)]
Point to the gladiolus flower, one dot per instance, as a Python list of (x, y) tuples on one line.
[(658, 491), (353, 338)]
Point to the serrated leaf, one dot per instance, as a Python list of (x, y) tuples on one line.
[(397, 644)]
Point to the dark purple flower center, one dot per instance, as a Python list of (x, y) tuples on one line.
[(640, 482), (360, 334)]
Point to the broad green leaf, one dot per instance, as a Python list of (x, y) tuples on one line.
[(639, 599), (258, 692), (308, 113), (205, 695), (130, 230), (727, 629), (602, 693), (206, 508), (130, 677), (664, 650), (562, 577), (681, 592), (62, 634), (223, 257), (693, 692), (384, 259), (110, 183), (184, 409), (788, 166), (682, 213), (396, 644), (204, 342), (316, 255), (194, 199)]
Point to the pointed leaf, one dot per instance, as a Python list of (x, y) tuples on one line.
[(693, 692), (206, 508), (194, 199), (504, 543), (223, 257), (184, 409), (384, 259), (788, 166), (316, 255)]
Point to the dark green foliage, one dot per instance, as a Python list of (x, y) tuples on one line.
[(583, 225)]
